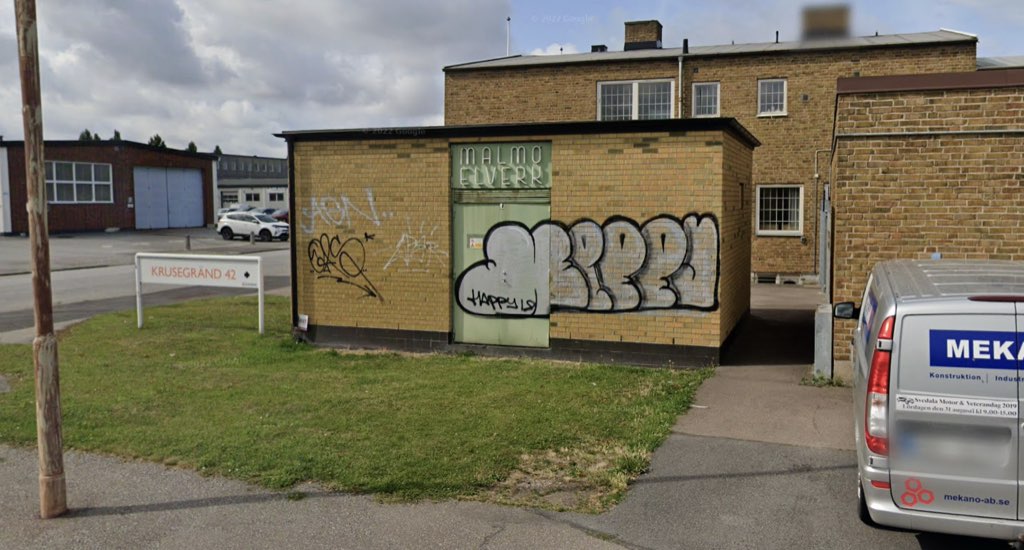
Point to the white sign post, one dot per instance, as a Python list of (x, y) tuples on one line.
[(198, 270)]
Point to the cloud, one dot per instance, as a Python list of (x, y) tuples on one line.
[(555, 49), (221, 72)]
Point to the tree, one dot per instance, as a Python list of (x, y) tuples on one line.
[(96, 137), (192, 147), (86, 135), (157, 141), (217, 151), (117, 135)]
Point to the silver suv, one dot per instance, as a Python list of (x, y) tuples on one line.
[(244, 224), (937, 357)]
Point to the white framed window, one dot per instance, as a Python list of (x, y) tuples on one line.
[(771, 97), (780, 210), (276, 197), (635, 100), (706, 102), (79, 182), (252, 197)]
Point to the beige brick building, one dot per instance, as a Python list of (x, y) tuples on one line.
[(925, 166), (783, 92), (612, 241)]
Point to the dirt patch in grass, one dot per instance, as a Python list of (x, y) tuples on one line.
[(581, 480)]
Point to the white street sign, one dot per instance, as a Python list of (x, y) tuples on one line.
[(198, 270)]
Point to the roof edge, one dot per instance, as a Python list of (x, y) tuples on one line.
[(107, 142), (935, 81), (674, 53), (730, 125)]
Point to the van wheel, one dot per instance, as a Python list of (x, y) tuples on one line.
[(862, 507), (265, 236), (227, 234)]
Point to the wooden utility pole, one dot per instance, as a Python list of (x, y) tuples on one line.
[(52, 489)]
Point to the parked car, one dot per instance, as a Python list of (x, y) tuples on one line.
[(223, 211), (280, 215), (244, 224), (936, 359)]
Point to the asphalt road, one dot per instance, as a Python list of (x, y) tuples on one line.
[(94, 273)]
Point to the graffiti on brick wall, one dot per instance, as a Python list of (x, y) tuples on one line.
[(417, 250), (343, 261), (618, 266), (341, 211)]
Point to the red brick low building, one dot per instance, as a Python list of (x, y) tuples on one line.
[(95, 185)]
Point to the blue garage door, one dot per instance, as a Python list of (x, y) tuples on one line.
[(168, 197)]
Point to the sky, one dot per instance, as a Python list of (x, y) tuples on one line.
[(233, 72)]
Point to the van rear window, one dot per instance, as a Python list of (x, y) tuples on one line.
[(867, 317)]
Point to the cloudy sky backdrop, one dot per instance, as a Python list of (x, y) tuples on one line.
[(232, 72)]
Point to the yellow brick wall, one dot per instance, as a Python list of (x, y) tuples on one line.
[(910, 196), (396, 193), (596, 177), (735, 229), (569, 92)]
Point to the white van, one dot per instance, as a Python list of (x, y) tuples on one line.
[(937, 357)]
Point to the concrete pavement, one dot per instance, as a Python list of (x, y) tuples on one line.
[(117, 504), (760, 462)]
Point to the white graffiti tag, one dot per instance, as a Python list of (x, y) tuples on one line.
[(664, 263), (339, 212), (418, 251)]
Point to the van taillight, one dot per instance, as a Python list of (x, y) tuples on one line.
[(876, 409)]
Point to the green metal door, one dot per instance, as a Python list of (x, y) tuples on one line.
[(471, 225)]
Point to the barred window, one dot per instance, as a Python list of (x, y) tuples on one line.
[(638, 100), (780, 210), (771, 97), (78, 182), (705, 99)]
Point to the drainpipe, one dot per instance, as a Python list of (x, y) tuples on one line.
[(817, 200), (684, 51)]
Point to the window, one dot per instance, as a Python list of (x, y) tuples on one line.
[(780, 210), (252, 197), (771, 97), (78, 182), (276, 197), (705, 99), (643, 99)]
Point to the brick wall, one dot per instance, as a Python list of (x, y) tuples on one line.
[(123, 158), (910, 196), (594, 176), (569, 92)]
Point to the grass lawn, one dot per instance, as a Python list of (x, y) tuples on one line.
[(199, 388)]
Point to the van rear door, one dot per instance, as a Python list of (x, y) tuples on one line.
[(954, 411)]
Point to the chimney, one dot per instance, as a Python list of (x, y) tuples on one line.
[(823, 22), (599, 48), (642, 35)]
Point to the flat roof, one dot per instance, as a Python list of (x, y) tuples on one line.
[(941, 36), (223, 182), (730, 125), (110, 143), (936, 81), (1005, 62)]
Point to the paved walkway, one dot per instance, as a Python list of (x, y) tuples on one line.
[(760, 462)]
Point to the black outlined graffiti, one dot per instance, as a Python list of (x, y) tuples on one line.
[(342, 261), (619, 266)]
